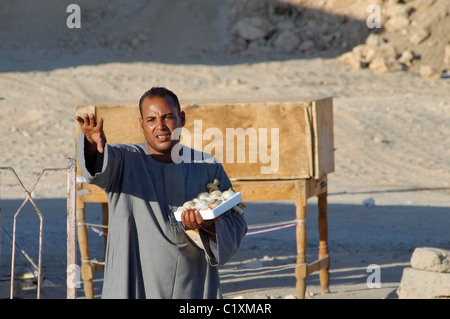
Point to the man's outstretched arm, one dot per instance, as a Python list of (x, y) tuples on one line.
[(94, 136)]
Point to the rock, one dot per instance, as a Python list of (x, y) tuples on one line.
[(369, 202), (427, 71), (306, 45), (431, 259), (377, 54), (396, 23), (421, 284), (358, 50), (254, 263), (385, 51), (352, 59), (254, 28), (398, 10), (384, 65), (447, 54), (406, 58), (286, 41), (285, 25), (374, 40), (419, 36)]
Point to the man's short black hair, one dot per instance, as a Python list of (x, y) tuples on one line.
[(160, 91)]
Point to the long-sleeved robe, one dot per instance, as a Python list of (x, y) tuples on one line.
[(148, 254)]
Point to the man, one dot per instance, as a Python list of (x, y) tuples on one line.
[(148, 254)]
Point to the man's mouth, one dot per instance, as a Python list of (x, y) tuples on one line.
[(163, 137)]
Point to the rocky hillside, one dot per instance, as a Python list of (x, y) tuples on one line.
[(413, 35)]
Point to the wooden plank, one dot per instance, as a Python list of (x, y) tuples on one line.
[(317, 265), (309, 139), (90, 193), (253, 140), (250, 190), (121, 123), (279, 126), (266, 190), (316, 187), (322, 111)]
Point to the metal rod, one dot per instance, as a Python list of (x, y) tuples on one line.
[(29, 198), (22, 252)]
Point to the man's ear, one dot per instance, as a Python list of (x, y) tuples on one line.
[(182, 118), (141, 122)]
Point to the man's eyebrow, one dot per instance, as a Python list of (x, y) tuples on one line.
[(155, 116)]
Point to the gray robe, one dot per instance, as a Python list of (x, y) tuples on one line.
[(148, 254)]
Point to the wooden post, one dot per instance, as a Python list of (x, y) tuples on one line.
[(323, 240), (301, 266), (71, 224), (83, 241)]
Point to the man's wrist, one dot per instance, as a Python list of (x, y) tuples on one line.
[(210, 230)]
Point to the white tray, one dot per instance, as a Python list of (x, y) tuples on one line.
[(208, 214)]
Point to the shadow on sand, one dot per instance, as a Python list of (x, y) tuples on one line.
[(359, 236), (35, 35)]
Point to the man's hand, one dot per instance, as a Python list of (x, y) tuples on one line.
[(192, 219), (93, 130)]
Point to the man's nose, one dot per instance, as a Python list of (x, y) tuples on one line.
[(160, 124)]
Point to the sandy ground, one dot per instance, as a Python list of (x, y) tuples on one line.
[(359, 236), (392, 137)]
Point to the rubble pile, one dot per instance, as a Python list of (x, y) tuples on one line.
[(414, 35)]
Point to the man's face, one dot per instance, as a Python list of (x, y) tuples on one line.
[(159, 118)]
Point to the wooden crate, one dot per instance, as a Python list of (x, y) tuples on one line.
[(304, 148)]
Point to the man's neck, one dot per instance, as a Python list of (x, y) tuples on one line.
[(162, 158)]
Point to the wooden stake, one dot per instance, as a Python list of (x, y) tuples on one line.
[(71, 223), (323, 240)]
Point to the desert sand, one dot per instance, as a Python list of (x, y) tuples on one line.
[(391, 129)]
